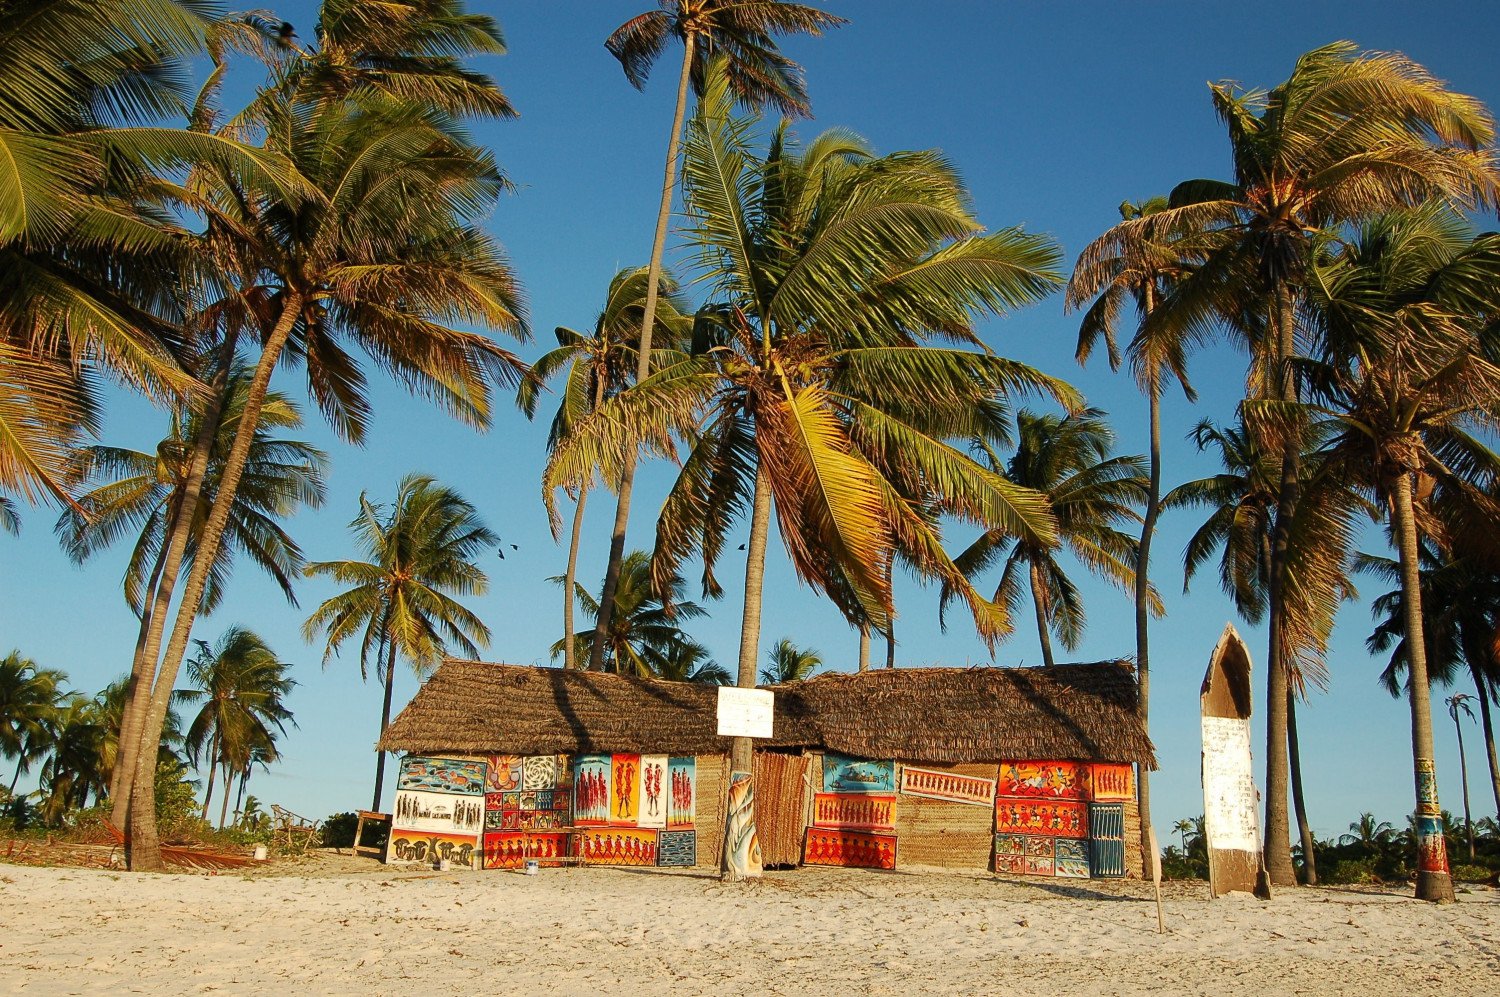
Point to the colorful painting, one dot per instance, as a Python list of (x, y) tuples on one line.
[(1427, 792), (1010, 853), (1111, 782), (504, 774), (442, 775), (741, 846), (509, 849), (852, 849), (591, 789), (677, 849), (419, 848), (1432, 850), (444, 813), (563, 772), (625, 789), (539, 772), (618, 846), (947, 786), (653, 791), (1063, 818), (1047, 780), (682, 774), (857, 775), (1072, 858), (858, 813), (540, 799)]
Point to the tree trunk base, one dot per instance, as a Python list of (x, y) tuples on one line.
[(1436, 887)]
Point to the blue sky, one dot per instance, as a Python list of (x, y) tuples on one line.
[(1054, 114)]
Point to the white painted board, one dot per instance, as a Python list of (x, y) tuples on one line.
[(1229, 798), (746, 712)]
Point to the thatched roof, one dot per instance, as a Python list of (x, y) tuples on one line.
[(917, 714)]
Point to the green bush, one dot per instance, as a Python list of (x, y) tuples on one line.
[(1349, 872), (1473, 873), (338, 830)]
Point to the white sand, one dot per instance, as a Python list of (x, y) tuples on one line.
[(637, 932)]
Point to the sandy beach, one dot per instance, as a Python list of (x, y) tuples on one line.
[(337, 925)]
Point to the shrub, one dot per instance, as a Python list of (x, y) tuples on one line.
[(1350, 871), (338, 830)]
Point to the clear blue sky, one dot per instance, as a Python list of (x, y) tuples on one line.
[(1055, 114)]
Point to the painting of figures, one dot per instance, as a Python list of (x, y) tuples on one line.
[(652, 796), (849, 848), (857, 775), (1063, 819), (618, 846), (440, 812), (682, 774), (857, 812), (1046, 780), (442, 775), (420, 848), (591, 796), (625, 790), (1111, 782), (504, 774), (509, 850), (947, 786)]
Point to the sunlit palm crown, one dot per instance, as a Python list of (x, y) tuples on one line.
[(832, 273), (645, 635)]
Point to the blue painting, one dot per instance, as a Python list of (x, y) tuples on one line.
[(442, 775), (857, 775), (677, 848), (591, 775)]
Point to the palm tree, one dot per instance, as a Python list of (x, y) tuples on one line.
[(75, 767), (686, 661), (401, 600), (29, 697), (789, 663), (812, 379), (1347, 135), (1459, 703), (599, 367), (1114, 270), (1182, 828), (1067, 459), (241, 686), (1368, 832), (741, 33), (388, 253), (1401, 368), (644, 635)]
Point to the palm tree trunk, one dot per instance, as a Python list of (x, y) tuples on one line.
[(20, 767), (1463, 774), (1433, 879), (385, 721), (213, 771), (742, 749), (1278, 848), (1299, 804), (864, 649), (239, 793), (643, 358), (890, 627), (138, 688), (143, 848), (1143, 607), (570, 582), (224, 806), (1481, 685), (1038, 599)]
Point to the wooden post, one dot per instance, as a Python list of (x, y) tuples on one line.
[(1230, 821), (1156, 876)]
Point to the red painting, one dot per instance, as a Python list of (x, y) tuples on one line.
[(618, 846), (1045, 780), (1064, 818), (625, 789), (1111, 783), (509, 849), (860, 813), (851, 849)]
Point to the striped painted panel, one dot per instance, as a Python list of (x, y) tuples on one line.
[(1107, 840)]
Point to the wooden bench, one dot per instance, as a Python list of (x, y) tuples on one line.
[(374, 819)]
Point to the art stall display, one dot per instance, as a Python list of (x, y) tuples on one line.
[(851, 849), (742, 858), (1062, 818), (591, 789), (1044, 780), (947, 786), (510, 849), (537, 811), (854, 812), (439, 812), (1111, 783), (651, 792), (618, 846), (682, 774), (625, 789), (504, 774), (677, 849), (857, 775)]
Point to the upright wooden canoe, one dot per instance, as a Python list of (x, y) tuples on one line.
[(1229, 796)]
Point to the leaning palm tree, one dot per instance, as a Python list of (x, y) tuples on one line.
[(1347, 135), (240, 687), (598, 367), (1458, 703), (1091, 494), (388, 254), (742, 34), (789, 663), (400, 602), (1401, 367), (29, 697), (815, 386), (645, 637)]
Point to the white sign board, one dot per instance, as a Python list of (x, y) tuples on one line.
[(1229, 785), (745, 712)]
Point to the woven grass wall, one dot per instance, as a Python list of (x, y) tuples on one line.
[(780, 805), (1133, 867), (942, 834), (713, 799)]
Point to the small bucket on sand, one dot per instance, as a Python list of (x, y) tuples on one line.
[(531, 867), (260, 853), (444, 865)]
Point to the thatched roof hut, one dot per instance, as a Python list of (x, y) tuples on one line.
[(1084, 712)]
